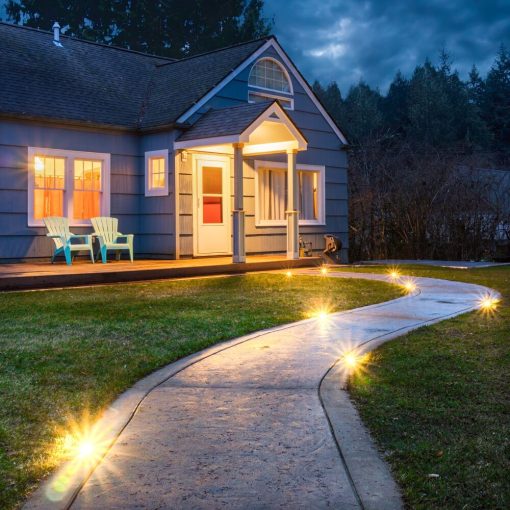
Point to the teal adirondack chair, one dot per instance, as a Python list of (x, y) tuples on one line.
[(106, 231), (58, 230)]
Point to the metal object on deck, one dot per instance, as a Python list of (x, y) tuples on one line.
[(305, 248), (333, 248)]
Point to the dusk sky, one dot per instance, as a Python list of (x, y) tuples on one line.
[(345, 40)]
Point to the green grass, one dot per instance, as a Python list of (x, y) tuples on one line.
[(438, 402), (66, 351)]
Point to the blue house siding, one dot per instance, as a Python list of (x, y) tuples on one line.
[(324, 148), (17, 239), (157, 214)]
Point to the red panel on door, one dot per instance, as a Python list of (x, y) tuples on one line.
[(213, 210)]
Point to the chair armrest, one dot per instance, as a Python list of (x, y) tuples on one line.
[(84, 236), (126, 236)]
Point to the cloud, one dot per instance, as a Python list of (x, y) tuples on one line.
[(373, 39)]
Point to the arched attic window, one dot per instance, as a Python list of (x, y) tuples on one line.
[(271, 80)]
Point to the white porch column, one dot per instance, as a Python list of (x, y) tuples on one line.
[(292, 206), (238, 250)]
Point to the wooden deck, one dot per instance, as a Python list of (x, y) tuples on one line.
[(31, 275)]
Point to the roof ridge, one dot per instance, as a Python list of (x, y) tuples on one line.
[(79, 39), (265, 38)]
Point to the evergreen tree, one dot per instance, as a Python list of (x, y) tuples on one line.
[(173, 28), (362, 114), (395, 105), (496, 107)]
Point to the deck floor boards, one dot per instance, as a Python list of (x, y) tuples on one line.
[(37, 275)]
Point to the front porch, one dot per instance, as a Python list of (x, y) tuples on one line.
[(39, 275), (220, 143)]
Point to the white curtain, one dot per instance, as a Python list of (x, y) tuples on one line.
[(272, 194), (307, 196)]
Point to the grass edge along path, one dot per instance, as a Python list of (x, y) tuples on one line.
[(66, 354), (437, 402)]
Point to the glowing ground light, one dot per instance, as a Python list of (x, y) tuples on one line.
[(488, 303), (409, 286), (324, 270), (351, 360), (394, 274), (288, 274)]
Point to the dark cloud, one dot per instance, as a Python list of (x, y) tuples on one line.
[(345, 40)]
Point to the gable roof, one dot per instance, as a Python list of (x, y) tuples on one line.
[(224, 122), (103, 85)]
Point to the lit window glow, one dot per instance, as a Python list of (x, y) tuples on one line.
[(49, 186), (157, 173), (87, 189)]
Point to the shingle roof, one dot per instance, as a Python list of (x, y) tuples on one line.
[(224, 122), (99, 84)]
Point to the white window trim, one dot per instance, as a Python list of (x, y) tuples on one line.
[(285, 72), (158, 192), (69, 156), (321, 169), (272, 96)]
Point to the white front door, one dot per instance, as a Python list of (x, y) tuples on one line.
[(212, 202)]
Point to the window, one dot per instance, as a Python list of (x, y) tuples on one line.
[(49, 186), (87, 189), (156, 173), (271, 189), (269, 74), (67, 183)]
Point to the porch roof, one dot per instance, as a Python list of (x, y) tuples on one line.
[(261, 127)]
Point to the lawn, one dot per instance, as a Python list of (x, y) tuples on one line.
[(437, 402), (64, 352)]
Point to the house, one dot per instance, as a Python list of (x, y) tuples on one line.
[(224, 153)]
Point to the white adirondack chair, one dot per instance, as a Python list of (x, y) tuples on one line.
[(106, 231), (58, 230)]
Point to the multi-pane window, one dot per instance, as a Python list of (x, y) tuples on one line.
[(49, 186), (308, 195), (86, 189), (156, 173), (272, 194), (269, 74), (67, 183)]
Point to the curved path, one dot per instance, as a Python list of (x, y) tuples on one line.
[(246, 426)]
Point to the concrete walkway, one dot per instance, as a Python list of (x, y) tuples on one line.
[(247, 427)]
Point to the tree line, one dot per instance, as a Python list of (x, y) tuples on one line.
[(425, 178), (172, 28)]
